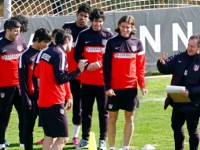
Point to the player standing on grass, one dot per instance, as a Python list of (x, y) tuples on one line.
[(51, 71), (125, 51), (24, 28), (11, 47), (91, 46), (40, 41), (82, 18)]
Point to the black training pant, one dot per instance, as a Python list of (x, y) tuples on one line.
[(10, 96), (30, 116), (89, 93), (75, 86), (190, 114)]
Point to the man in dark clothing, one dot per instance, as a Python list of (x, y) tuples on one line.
[(185, 71), (40, 41), (82, 18)]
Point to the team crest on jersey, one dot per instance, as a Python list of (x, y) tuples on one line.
[(19, 48), (104, 41), (196, 67), (134, 48), (110, 106), (62, 111), (2, 95)]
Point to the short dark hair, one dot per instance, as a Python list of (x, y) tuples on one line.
[(196, 36), (96, 14), (11, 24), (85, 7), (129, 19), (62, 35), (55, 31), (23, 21), (42, 34)]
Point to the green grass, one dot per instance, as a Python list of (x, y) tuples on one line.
[(152, 122)]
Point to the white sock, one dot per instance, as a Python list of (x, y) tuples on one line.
[(2, 146), (21, 145), (112, 148), (76, 130), (125, 147)]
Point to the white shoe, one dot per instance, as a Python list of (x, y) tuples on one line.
[(102, 145), (83, 144)]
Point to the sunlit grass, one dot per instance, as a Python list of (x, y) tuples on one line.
[(152, 122)]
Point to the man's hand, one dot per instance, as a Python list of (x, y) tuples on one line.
[(163, 58), (144, 91), (94, 66), (110, 92), (82, 63), (69, 104), (185, 93)]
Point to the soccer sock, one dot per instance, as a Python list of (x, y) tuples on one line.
[(112, 148), (125, 147), (76, 130), (2, 146)]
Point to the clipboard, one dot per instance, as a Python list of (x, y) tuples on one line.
[(174, 93), (177, 98)]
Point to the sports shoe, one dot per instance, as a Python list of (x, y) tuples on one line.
[(102, 144), (83, 144), (75, 141), (6, 143), (40, 142), (21, 146)]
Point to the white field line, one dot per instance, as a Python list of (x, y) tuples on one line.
[(159, 76)]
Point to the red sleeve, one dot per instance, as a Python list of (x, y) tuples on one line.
[(140, 70), (36, 71), (68, 91)]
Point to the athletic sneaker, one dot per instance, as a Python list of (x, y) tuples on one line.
[(75, 141), (40, 142), (83, 144), (102, 144)]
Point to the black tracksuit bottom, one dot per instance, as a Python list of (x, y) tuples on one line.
[(30, 116), (89, 93), (10, 96), (190, 114)]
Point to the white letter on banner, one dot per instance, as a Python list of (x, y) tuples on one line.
[(31, 40), (177, 32), (155, 44)]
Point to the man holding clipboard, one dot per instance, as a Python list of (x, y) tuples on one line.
[(185, 70)]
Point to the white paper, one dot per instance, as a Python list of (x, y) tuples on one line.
[(174, 89)]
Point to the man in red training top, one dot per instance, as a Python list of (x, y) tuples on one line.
[(124, 51), (91, 45), (11, 47), (51, 71)]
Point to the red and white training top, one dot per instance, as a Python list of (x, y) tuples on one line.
[(124, 63), (91, 46), (50, 69), (10, 51)]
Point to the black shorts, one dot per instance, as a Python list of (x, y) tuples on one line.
[(125, 99), (54, 121)]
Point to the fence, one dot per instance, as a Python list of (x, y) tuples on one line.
[(35, 8)]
